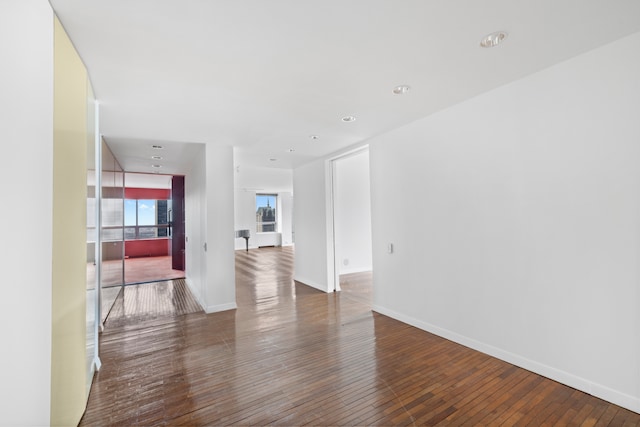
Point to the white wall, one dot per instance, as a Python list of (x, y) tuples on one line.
[(249, 181), (146, 180), (26, 131), (196, 225), (313, 266), (263, 180), (209, 220), (515, 218), (220, 292), (286, 217), (352, 213)]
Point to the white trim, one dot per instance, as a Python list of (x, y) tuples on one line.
[(220, 307), (332, 272), (353, 270), (333, 269), (97, 254), (622, 399)]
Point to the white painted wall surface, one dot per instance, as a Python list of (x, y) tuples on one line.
[(146, 180), (515, 219), (245, 215), (352, 213), (26, 128), (220, 288), (249, 181), (196, 225), (286, 217), (312, 266), (263, 180)]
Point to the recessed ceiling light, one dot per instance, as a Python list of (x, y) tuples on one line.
[(314, 137), (157, 147), (272, 160), (493, 39), (290, 150), (156, 166), (156, 157), (400, 90), (347, 119)]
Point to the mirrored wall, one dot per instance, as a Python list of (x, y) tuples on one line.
[(112, 213)]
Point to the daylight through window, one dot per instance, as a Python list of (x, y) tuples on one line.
[(266, 212), (146, 219)]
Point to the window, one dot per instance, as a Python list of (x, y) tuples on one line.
[(266, 213), (146, 219)]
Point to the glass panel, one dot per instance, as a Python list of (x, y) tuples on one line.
[(112, 212), (109, 235), (129, 233), (130, 212), (266, 212), (113, 208), (162, 216), (147, 232), (146, 212)]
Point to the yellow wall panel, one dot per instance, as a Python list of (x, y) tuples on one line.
[(68, 370)]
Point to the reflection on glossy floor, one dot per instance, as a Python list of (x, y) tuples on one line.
[(137, 304), (149, 269), (134, 270), (358, 285), (109, 297), (292, 355)]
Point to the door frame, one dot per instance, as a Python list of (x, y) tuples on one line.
[(333, 269)]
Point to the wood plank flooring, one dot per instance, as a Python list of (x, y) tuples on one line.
[(291, 355), (147, 269), (137, 304)]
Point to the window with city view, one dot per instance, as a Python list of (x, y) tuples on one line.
[(146, 219), (266, 213)]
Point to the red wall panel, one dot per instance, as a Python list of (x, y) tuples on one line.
[(146, 247), (147, 193)]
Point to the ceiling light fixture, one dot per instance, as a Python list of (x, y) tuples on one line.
[(401, 90), (493, 39), (157, 147), (156, 157), (348, 119), (156, 166), (314, 137), (272, 160)]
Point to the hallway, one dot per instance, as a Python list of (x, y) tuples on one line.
[(292, 355)]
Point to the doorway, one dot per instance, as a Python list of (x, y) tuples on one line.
[(353, 264), (150, 213)]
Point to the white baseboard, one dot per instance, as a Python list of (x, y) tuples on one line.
[(614, 396), (220, 307), (211, 308), (352, 270)]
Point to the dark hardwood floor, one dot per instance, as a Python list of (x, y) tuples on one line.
[(291, 355)]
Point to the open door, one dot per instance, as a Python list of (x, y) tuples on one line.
[(177, 223)]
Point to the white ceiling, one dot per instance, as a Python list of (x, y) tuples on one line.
[(265, 75)]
